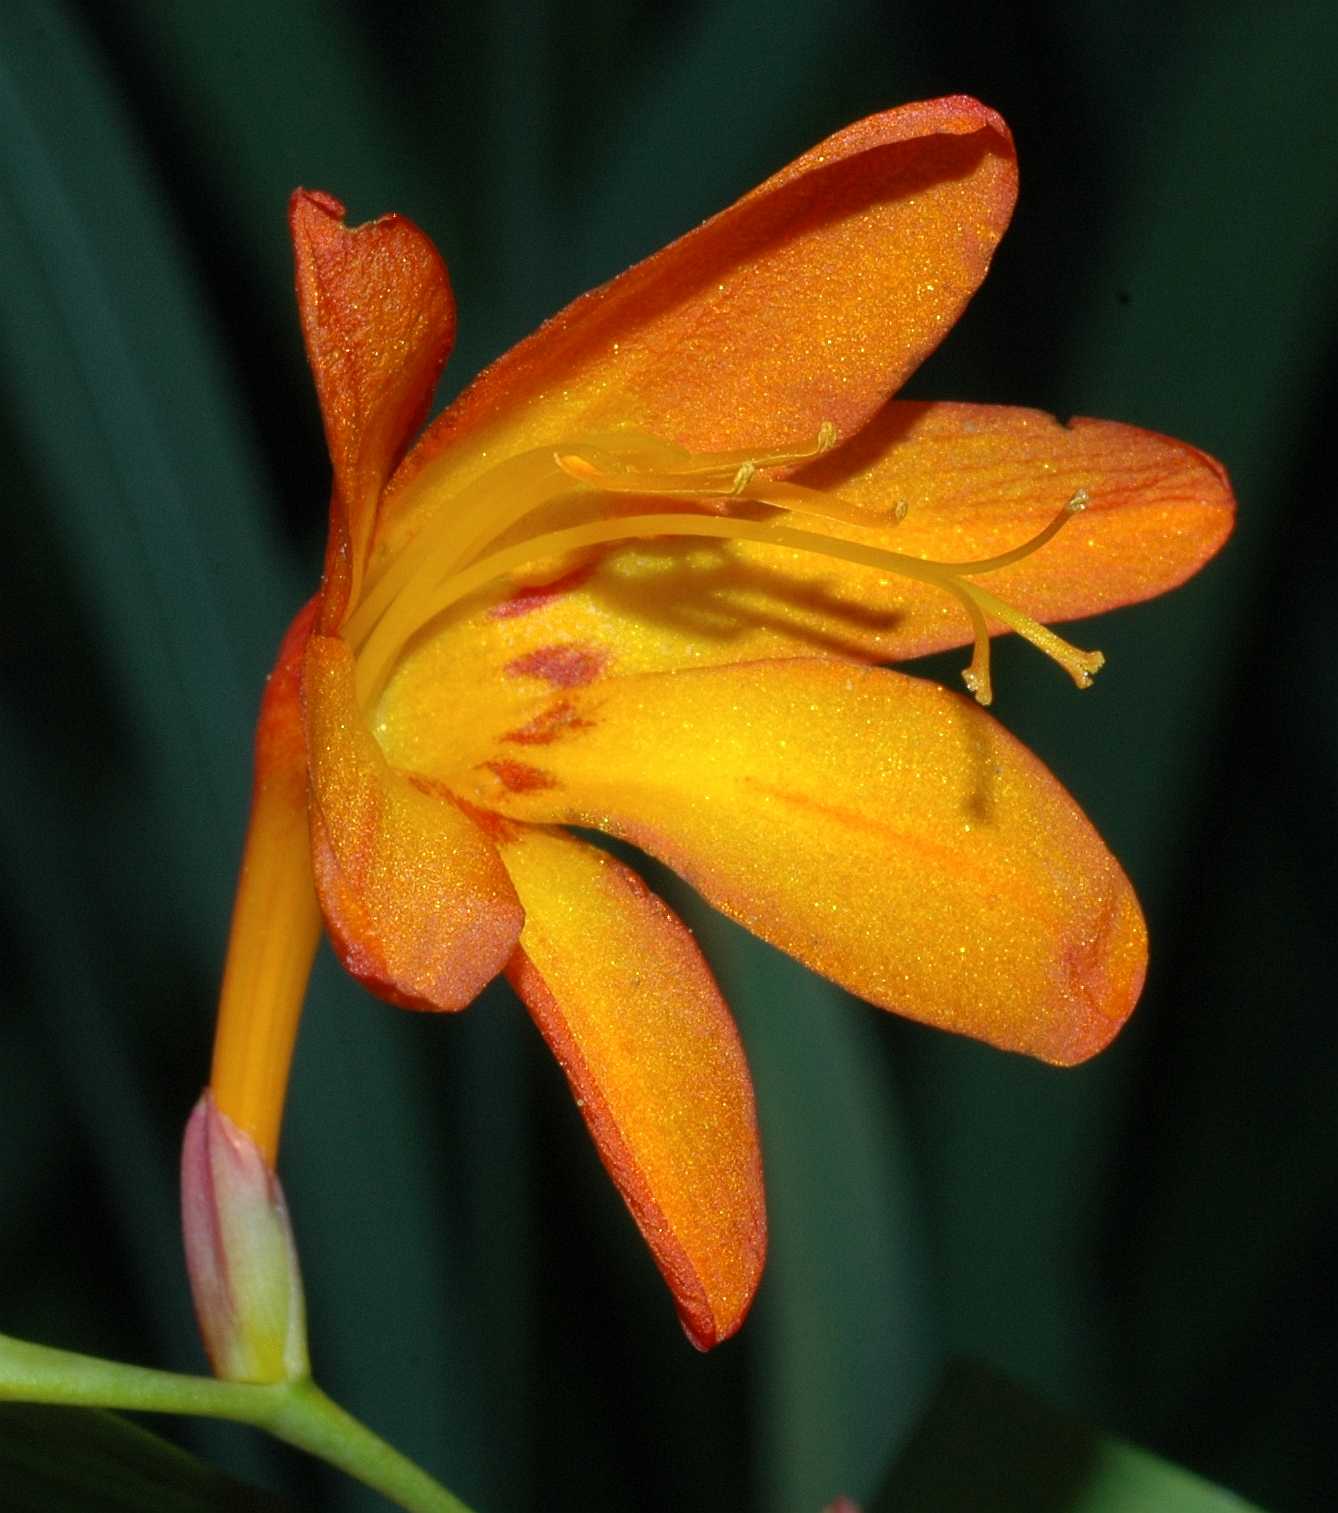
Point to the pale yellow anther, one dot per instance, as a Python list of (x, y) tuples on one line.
[(742, 478)]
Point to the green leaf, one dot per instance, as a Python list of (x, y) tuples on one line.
[(81, 1460), (987, 1445)]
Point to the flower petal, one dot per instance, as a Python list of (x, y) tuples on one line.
[(416, 899), (811, 299), (884, 831), (621, 993), (379, 320), (978, 480)]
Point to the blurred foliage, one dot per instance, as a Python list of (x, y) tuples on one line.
[(1147, 1240), (985, 1445), (76, 1460)]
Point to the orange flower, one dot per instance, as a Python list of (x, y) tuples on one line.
[(638, 578)]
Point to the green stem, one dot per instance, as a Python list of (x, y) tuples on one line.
[(298, 1412)]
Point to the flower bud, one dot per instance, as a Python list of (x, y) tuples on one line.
[(240, 1254)]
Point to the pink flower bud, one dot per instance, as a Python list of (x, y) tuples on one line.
[(240, 1254)]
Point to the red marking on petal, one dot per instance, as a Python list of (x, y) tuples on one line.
[(497, 829), (569, 665), (492, 825), (433, 787), (537, 595), (520, 777), (548, 726)]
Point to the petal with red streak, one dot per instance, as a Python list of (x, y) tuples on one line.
[(621, 993), (811, 299), (415, 897), (886, 832), (379, 319)]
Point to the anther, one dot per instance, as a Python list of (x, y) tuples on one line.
[(742, 479)]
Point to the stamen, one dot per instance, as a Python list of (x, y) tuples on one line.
[(464, 525), (977, 675), (1081, 666), (627, 462), (633, 457), (410, 613), (1075, 506), (591, 468), (448, 561)]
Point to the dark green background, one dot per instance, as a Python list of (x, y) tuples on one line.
[(1147, 1240)]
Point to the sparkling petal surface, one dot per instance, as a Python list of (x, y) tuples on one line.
[(811, 299), (417, 902), (379, 319), (886, 832), (621, 993), (978, 480)]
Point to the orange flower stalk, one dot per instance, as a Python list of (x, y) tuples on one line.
[(639, 578)]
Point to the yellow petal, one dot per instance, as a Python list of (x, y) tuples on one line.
[(886, 832), (811, 299), (417, 902), (620, 991)]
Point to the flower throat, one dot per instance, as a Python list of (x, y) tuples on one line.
[(461, 549)]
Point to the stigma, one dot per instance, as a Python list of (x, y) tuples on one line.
[(495, 531)]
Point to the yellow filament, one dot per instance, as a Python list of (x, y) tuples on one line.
[(463, 526), (742, 483), (411, 612), (630, 462), (623, 462), (449, 559)]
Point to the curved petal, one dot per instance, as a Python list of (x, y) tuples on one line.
[(886, 832), (625, 1001), (978, 480), (379, 320), (809, 300), (416, 899)]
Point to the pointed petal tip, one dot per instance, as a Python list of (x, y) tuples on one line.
[(1173, 481), (706, 1330), (305, 203), (378, 320), (665, 1090)]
